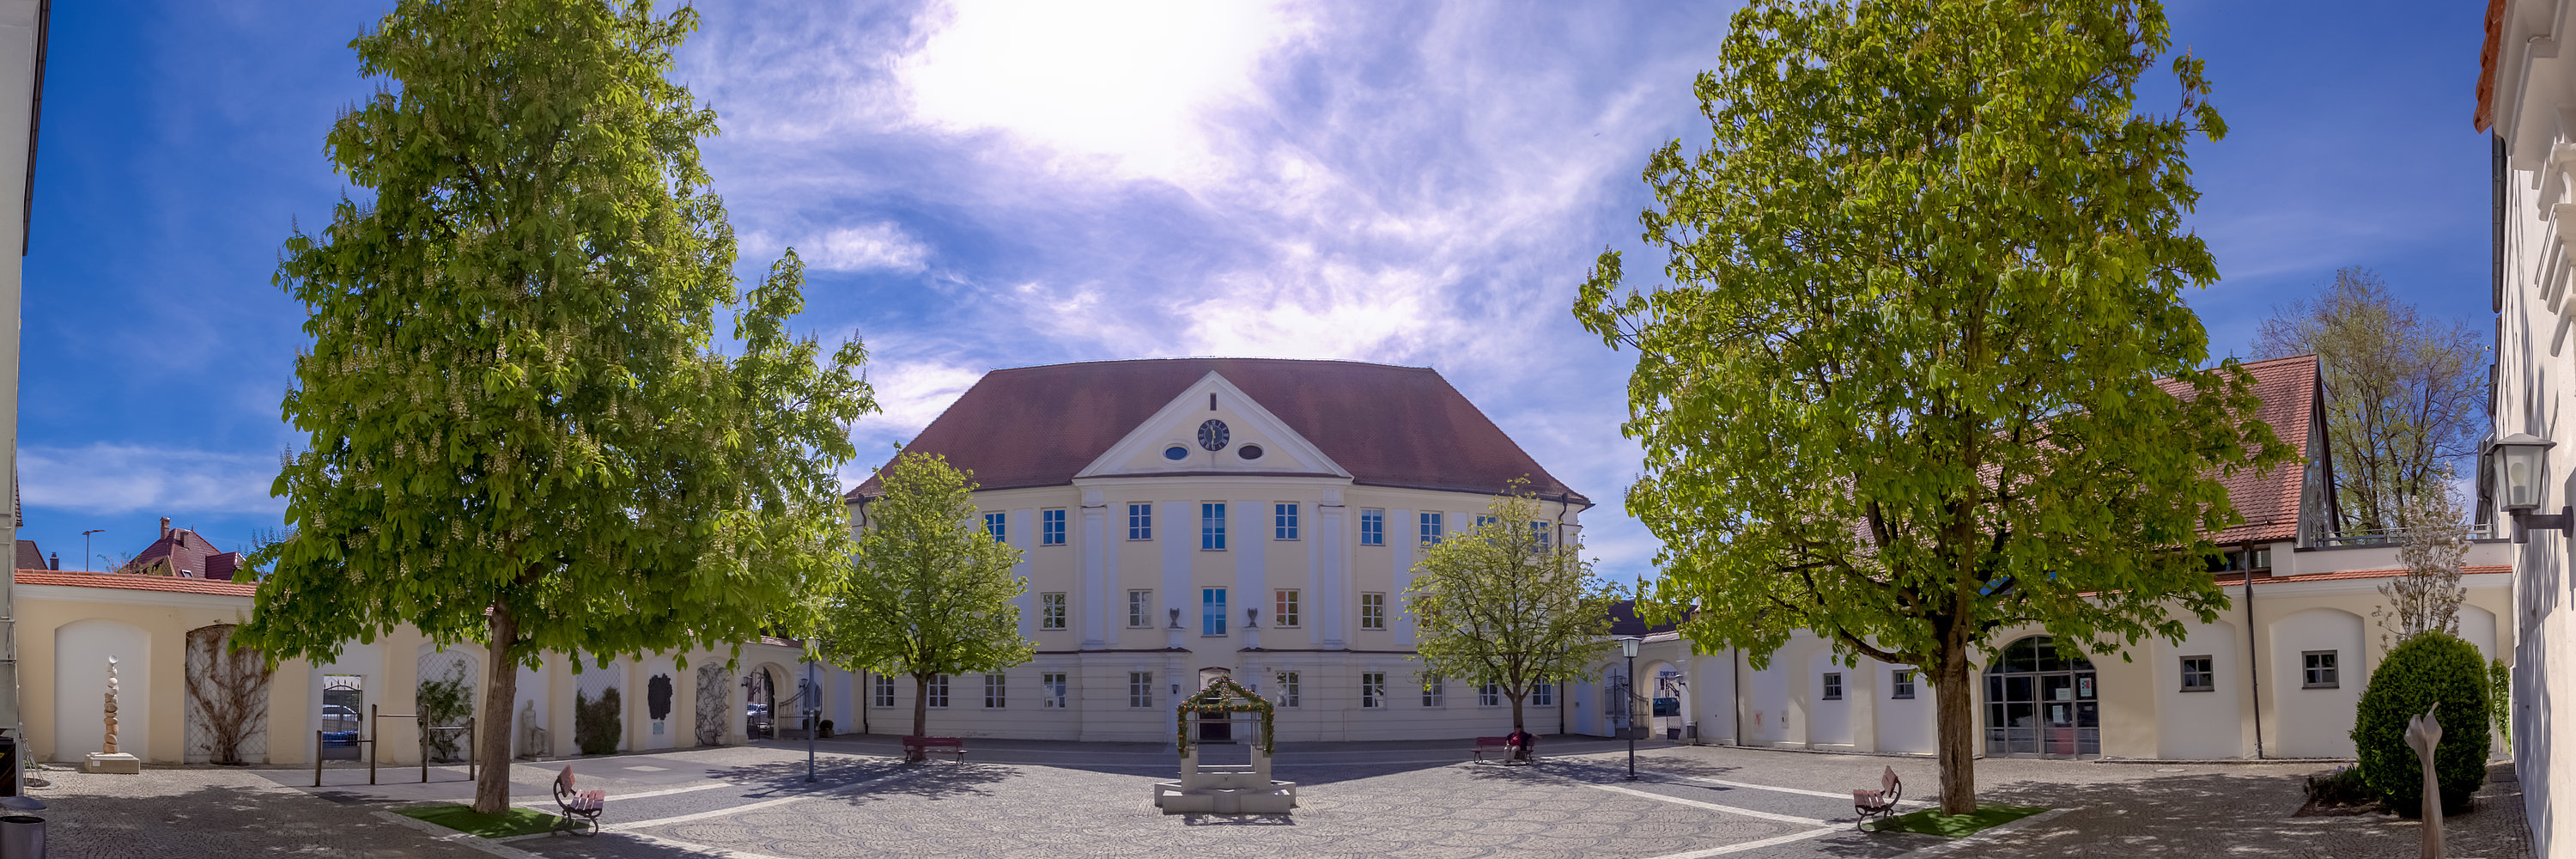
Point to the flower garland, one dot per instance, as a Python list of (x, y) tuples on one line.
[(1222, 697)]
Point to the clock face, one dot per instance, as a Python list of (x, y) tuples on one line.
[(1212, 435)]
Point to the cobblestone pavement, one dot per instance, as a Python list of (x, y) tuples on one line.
[(167, 813), (1400, 800)]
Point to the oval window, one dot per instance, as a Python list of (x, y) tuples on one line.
[(1249, 451), (1176, 452)]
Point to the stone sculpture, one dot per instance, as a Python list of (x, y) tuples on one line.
[(107, 759), (2424, 733), (109, 747)]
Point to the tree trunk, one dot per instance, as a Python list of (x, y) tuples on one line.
[(1516, 710), (920, 713), (492, 732), (1955, 722)]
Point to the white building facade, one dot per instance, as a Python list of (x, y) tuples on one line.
[(2527, 96), (1255, 518)]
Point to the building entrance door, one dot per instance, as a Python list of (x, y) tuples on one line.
[(2041, 703)]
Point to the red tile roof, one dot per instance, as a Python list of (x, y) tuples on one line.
[(187, 552), (2484, 118), (2358, 574), (137, 582), (1386, 425), (2269, 501)]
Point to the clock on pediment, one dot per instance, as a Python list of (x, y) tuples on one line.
[(1213, 435)]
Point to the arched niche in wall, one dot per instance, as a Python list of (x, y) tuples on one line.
[(81, 651)]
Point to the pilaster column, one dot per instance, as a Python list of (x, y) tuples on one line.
[(1095, 570)]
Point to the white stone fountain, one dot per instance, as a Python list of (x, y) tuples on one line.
[(1225, 788)]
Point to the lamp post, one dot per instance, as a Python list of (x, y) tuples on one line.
[(2515, 461), (1628, 648), (86, 557), (813, 707)]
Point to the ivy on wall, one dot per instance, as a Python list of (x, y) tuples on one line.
[(597, 724)]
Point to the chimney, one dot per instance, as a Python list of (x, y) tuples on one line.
[(56, 563), (165, 526)]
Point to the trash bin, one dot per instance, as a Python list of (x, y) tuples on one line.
[(22, 836)]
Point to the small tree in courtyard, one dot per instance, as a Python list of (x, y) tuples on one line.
[(1904, 387), (932, 591), (520, 430), (2435, 542), (1506, 604)]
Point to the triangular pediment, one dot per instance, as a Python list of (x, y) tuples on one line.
[(1241, 426)]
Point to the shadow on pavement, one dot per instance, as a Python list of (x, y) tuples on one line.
[(225, 820)]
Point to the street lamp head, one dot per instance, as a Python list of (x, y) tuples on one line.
[(1628, 646), (2516, 463)]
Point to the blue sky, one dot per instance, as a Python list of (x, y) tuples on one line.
[(991, 185)]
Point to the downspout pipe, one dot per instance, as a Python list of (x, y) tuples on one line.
[(2253, 656), (1737, 675)]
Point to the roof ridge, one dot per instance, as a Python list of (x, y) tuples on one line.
[(1351, 361)]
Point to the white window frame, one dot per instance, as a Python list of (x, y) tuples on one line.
[(1140, 608), (1051, 687), (1051, 527), (1140, 522), (1283, 520), (997, 688), (1051, 611), (1372, 616), (1372, 690), (1287, 608)]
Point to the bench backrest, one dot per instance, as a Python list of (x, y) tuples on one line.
[(563, 780), (1493, 741), (1889, 782), (933, 741)]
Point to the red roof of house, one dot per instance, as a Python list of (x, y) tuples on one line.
[(137, 582), (2269, 500), (189, 555), (2484, 118), (1386, 425)]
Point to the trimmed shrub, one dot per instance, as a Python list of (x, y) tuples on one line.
[(2424, 669), (597, 725), (2341, 787)]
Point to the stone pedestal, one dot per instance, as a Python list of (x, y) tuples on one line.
[(112, 762), (1225, 789)]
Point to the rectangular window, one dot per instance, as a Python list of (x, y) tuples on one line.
[(1051, 611), (1211, 611), (1051, 527), (1542, 694), (1372, 527), (1051, 685), (1140, 608), (1372, 689), (2320, 665), (1833, 685), (994, 686), (1900, 684), (1482, 521), (1434, 691), (1540, 529), (938, 693), (1490, 696), (1140, 688), (1287, 691), (2197, 674), (1372, 611), (1140, 521), (1430, 528), (883, 693), (1212, 527), (1284, 610), (999, 525), (1283, 521)]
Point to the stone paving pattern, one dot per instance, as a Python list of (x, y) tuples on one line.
[(1402, 800)]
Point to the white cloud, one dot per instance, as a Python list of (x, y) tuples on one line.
[(114, 478), (1126, 81), (867, 247)]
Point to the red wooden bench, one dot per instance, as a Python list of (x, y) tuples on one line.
[(578, 806), (1877, 804), (917, 748), (1501, 746)]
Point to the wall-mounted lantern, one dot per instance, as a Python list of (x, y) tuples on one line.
[(2515, 461)]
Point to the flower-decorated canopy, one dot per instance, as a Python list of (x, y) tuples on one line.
[(1223, 695)]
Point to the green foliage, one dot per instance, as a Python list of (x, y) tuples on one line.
[(517, 821), (932, 590), (2341, 787), (1931, 821), (2421, 671), (2500, 699), (1902, 386), (1498, 605), (444, 702), (520, 428), (598, 724)]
